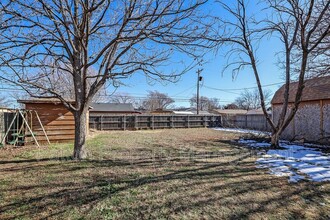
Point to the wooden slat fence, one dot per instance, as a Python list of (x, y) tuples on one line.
[(251, 122), (136, 122), (5, 120)]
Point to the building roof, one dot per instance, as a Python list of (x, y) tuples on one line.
[(315, 89), (183, 112), (43, 100), (201, 112), (230, 111), (112, 107), (257, 112)]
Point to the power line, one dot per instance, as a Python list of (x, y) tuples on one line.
[(188, 89), (157, 98), (12, 89), (182, 99), (207, 87), (241, 89), (141, 96)]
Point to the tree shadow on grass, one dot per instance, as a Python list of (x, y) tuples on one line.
[(231, 182)]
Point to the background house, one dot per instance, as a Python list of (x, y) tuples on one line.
[(161, 112), (229, 112), (103, 109), (191, 111), (312, 120), (257, 112)]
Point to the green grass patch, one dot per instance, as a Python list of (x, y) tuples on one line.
[(161, 174)]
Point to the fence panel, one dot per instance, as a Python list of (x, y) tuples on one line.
[(136, 122), (252, 122)]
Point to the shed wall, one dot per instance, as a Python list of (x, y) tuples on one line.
[(311, 122), (56, 119)]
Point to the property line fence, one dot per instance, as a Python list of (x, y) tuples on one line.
[(252, 122), (136, 122), (6, 118)]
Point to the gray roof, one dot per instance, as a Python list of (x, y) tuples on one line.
[(112, 107), (257, 112), (231, 111)]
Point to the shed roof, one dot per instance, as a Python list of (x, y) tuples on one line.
[(112, 107), (231, 111), (315, 89)]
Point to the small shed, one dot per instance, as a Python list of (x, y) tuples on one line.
[(104, 109), (57, 120), (312, 120)]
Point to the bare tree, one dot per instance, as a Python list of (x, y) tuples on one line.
[(301, 26), (4, 101), (62, 83), (115, 38), (231, 106), (205, 103), (122, 98), (319, 64), (250, 99), (157, 100)]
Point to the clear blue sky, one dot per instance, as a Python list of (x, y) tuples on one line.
[(212, 73), (185, 88)]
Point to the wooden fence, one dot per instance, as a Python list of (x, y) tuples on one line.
[(251, 122), (136, 122), (6, 118)]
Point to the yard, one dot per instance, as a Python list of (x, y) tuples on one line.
[(161, 174)]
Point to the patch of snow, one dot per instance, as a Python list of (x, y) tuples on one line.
[(245, 131), (298, 162), (242, 141), (253, 143)]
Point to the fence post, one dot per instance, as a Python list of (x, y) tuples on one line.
[(135, 122), (204, 121), (153, 122), (101, 122), (188, 122), (246, 121), (124, 122), (171, 121)]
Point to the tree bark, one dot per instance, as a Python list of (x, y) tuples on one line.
[(80, 135), (275, 139)]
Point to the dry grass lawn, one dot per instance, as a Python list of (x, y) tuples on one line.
[(162, 174)]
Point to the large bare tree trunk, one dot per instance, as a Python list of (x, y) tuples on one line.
[(302, 26), (275, 139), (80, 135)]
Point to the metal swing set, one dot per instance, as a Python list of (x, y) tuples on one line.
[(20, 128)]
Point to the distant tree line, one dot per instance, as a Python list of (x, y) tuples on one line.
[(157, 100)]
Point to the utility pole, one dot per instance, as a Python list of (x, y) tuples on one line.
[(199, 78)]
